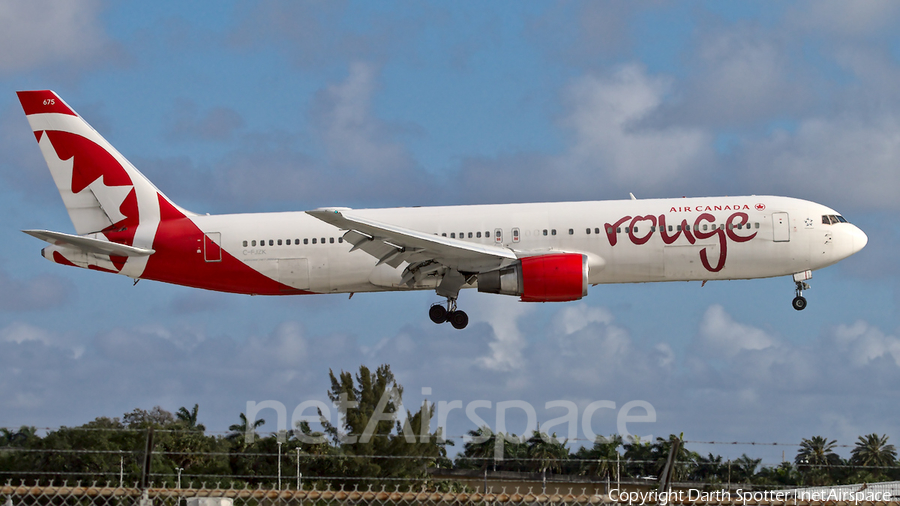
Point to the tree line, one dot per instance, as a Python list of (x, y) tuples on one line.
[(375, 445)]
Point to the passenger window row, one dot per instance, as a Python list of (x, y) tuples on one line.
[(487, 234), (462, 235), (678, 228), (618, 230), (296, 242)]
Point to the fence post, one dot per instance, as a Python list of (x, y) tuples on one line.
[(665, 479), (148, 455)]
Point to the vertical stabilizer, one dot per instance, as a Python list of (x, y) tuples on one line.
[(108, 199), (101, 190)]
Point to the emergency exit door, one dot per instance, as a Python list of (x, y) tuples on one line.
[(781, 227), (212, 247)]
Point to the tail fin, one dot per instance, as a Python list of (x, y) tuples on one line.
[(102, 191)]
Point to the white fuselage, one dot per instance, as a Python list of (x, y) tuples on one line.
[(781, 236)]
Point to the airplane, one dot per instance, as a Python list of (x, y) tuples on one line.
[(539, 252)]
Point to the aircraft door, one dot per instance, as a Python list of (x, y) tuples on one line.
[(212, 247), (781, 227), (498, 236)]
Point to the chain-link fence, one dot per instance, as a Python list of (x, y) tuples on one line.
[(95, 495)]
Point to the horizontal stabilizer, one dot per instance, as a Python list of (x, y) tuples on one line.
[(89, 244)]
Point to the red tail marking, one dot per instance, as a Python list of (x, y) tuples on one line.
[(119, 262), (38, 134), (91, 161), (58, 258), (211, 250), (167, 211), (177, 260), (101, 269), (43, 101)]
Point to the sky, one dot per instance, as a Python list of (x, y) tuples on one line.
[(282, 105)]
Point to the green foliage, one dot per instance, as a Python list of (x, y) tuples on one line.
[(603, 459), (378, 442), (376, 438), (873, 450)]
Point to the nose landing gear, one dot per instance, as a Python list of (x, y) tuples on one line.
[(799, 302), (440, 314)]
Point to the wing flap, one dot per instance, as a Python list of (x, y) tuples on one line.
[(393, 244), (89, 244)]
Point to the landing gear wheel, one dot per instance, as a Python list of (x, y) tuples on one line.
[(459, 319), (799, 302), (438, 314)]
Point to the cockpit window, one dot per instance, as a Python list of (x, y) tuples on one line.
[(830, 219)]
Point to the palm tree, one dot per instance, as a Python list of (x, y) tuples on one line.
[(685, 460), (815, 458), (240, 430), (817, 452), (492, 448), (602, 459), (873, 450), (710, 469), (480, 450), (639, 457), (785, 474), (190, 418), (10, 438), (547, 451), (745, 469)]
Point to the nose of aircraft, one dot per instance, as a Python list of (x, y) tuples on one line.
[(858, 239)]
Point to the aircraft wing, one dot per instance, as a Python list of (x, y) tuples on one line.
[(394, 245), (89, 244)]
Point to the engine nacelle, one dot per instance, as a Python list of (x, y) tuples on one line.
[(543, 278)]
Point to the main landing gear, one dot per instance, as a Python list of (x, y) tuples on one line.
[(440, 314), (799, 302)]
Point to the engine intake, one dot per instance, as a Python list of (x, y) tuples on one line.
[(543, 278)]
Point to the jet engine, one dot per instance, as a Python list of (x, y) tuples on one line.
[(542, 278)]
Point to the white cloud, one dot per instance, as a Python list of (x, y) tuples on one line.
[(586, 347), (584, 355), (45, 32), (865, 343), (824, 154), (353, 136), (25, 333), (720, 334), (359, 160), (606, 116), (22, 332), (508, 343), (575, 317), (745, 75)]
